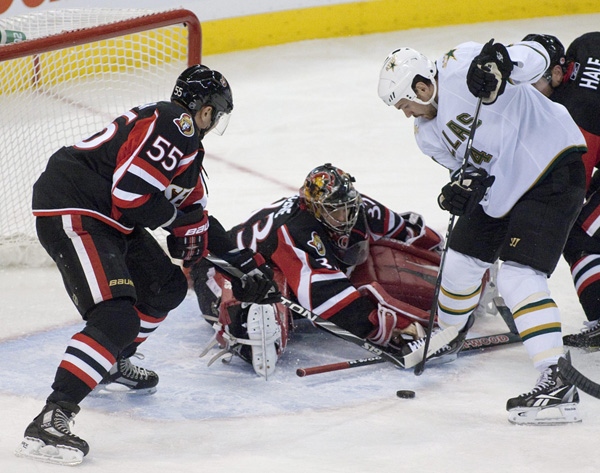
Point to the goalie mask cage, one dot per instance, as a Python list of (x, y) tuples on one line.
[(75, 72)]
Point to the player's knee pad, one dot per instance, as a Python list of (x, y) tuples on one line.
[(462, 272), (166, 295), (519, 284), (117, 320)]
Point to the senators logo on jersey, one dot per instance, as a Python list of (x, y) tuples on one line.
[(185, 124), (317, 243)]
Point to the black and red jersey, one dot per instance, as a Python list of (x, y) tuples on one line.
[(294, 241), (580, 94), (137, 171)]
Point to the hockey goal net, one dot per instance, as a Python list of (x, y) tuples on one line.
[(74, 73)]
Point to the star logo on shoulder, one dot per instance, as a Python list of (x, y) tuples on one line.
[(449, 55)]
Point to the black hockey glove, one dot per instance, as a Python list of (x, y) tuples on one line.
[(489, 72), (188, 240), (257, 285), (460, 196)]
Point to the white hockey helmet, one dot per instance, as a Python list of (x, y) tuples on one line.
[(398, 74)]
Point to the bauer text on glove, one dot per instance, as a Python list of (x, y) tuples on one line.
[(188, 240)]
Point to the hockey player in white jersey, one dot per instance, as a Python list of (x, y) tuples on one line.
[(516, 200)]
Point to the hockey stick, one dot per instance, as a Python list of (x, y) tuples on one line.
[(438, 283), (407, 361), (472, 345), (574, 376), (342, 365)]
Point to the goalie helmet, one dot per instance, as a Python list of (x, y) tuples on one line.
[(329, 194), (555, 50), (199, 86), (401, 70)]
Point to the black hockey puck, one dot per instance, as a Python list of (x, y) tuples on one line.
[(405, 394)]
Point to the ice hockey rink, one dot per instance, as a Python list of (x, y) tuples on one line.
[(298, 106)]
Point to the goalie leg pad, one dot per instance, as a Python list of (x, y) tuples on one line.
[(264, 333)]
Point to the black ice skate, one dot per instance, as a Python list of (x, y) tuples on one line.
[(49, 439), (552, 401), (126, 378), (589, 337)]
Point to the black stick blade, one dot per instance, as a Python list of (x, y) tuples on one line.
[(574, 376)]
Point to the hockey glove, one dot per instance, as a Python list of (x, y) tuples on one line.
[(257, 285), (460, 196), (489, 72), (188, 240)]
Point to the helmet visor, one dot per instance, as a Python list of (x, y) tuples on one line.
[(220, 123)]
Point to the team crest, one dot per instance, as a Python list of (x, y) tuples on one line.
[(449, 55), (185, 124), (317, 244), (391, 64)]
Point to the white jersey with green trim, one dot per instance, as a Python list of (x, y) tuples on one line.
[(518, 138)]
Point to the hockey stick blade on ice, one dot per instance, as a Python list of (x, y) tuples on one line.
[(574, 376), (408, 361), (472, 345)]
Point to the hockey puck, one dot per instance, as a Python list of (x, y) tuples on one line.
[(405, 394)]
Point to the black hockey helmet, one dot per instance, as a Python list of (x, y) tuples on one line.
[(555, 50), (199, 86), (329, 194)]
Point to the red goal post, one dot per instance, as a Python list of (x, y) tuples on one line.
[(75, 72)]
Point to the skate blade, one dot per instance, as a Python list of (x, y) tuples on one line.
[(555, 415), (35, 449), (112, 389)]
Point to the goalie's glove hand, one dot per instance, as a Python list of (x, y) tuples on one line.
[(257, 285), (489, 72), (188, 240), (461, 195)]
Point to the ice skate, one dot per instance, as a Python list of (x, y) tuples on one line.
[(126, 378), (552, 401), (444, 346), (589, 337), (48, 437), (264, 333)]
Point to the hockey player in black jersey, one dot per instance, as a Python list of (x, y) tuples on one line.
[(94, 204), (573, 80), (339, 253)]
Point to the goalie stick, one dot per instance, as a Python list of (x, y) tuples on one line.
[(407, 361), (472, 345), (574, 376), (438, 283)]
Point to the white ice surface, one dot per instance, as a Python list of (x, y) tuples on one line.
[(297, 106)]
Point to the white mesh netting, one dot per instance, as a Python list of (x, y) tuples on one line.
[(53, 99)]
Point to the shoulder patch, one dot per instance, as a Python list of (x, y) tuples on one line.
[(317, 244), (185, 124)]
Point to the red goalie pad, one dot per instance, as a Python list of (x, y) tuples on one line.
[(406, 272)]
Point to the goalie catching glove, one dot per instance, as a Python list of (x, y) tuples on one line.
[(257, 284), (188, 240), (489, 72), (461, 195)]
